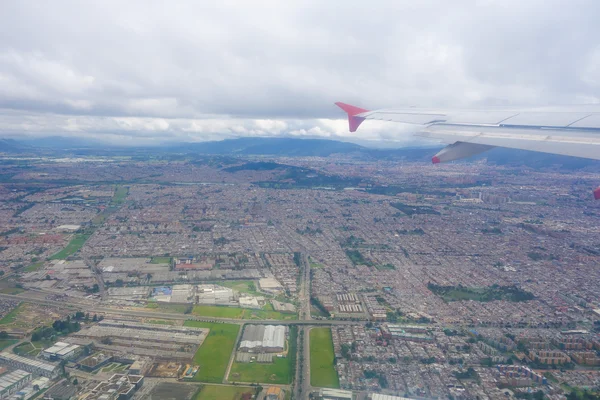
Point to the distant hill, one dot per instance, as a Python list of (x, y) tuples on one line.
[(272, 147), (286, 147), (13, 146)]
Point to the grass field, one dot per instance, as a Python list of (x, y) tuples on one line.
[(120, 193), (211, 392), (213, 355), (218, 311), (281, 371), (160, 322), (266, 312), (74, 245), (176, 308), (114, 367), (31, 349), (322, 372), (314, 264), (11, 290), (34, 267), (4, 343), (160, 260), (11, 316)]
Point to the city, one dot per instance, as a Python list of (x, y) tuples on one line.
[(296, 277)]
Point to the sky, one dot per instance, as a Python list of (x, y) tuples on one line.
[(148, 72)]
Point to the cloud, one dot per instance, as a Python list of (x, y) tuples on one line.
[(196, 71)]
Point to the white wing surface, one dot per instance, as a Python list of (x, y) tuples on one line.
[(571, 131)]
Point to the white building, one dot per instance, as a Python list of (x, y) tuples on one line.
[(61, 351)]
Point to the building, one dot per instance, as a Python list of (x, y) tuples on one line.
[(12, 382), (518, 375), (43, 368), (214, 294), (274, 393), (63, 390), (249, 302), (550, 357), (95, 361), (118, 387), (379, 396), (335, 394), (283, 307), (586, 358), (263, 339), (61, 351), (139, 367)]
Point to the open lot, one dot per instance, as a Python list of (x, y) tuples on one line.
[(169, 390), (12, 315), (322, 371), (211, 392), (213, 355), (168, 307), (28, 316), (242, 287)]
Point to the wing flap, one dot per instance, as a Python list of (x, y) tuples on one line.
[(564, 142)]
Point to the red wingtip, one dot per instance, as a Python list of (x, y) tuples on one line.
[(350, 109), (597, 194), (353, 121), (435, 160)]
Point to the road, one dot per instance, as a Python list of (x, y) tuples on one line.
[(170, 316), (301, 385)]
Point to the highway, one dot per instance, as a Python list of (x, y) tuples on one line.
[(169, 316)]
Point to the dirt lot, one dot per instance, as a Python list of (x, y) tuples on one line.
[(31, 316), (165, 370)]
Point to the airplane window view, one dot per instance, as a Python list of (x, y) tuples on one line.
[(301, 199)]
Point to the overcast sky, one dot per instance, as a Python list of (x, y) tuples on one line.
[(150, 71)]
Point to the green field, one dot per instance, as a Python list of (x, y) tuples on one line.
[(11, 316), (281, 371), (160, 260), (483, 294), (213, 355), (120, 193), (160, 322), (4, 343), (31, 349), (74, 245), (314, 264), (218, 311), (176, 308), (11, 290), (34, 267), (211, 392), (266, 312), (322, 371)]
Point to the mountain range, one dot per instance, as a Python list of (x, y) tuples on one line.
[(283, 147)]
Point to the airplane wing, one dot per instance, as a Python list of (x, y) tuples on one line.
[(570, 131)]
